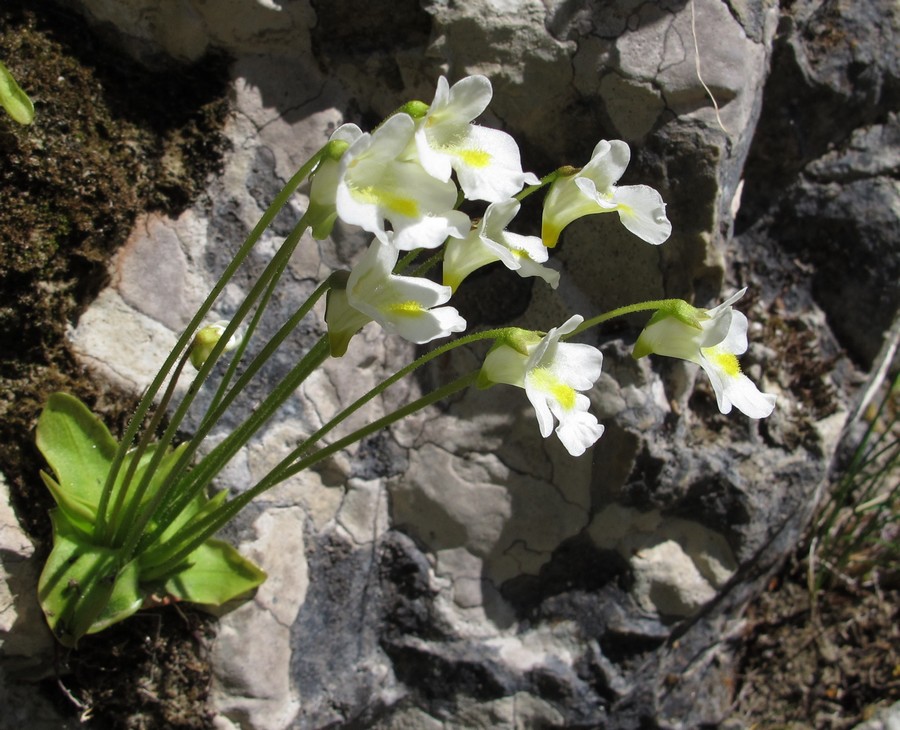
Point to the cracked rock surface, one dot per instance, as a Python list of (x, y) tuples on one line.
[(458, 570)]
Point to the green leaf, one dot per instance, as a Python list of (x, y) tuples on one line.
[(165, 466), (85, 587), (215, 573), (79, 449), (163, 469), (77, 512), (13, 99), (169, 543)]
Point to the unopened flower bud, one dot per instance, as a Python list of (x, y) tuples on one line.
[(207, 338)]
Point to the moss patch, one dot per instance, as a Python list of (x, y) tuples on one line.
[(109, 139)]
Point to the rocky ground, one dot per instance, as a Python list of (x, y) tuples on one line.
[(832, 667)]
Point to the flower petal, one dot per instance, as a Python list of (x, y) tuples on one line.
[(400, 304), (375, 184), (528, 268), (722, 336), (748, 399), (414, 288), (643, 212), (735, 340), (550, 374), (566, 201), (469, 97), (503, 364), (577, 365), (426, 325), (601, 198), (343, 321), (488, 165), (497, 216), (430, 231), (462, 256), (736, 389), (669, 337), (538, 401), (727, 303), (579, 431), (607, 164)]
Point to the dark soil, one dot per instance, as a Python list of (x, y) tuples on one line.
[(110, 139), (822, 647), (829, 664), (146, 673)]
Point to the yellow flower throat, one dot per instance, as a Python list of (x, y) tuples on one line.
[(727, 361), (545, 381)]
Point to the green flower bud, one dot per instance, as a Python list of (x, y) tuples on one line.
[(415, 109), (207, 338)]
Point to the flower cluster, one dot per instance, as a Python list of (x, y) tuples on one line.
[(404, 182), (135, 516)]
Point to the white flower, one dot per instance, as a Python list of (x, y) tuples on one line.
[(405, 305), (552, 373), (489, 242), (487, 161), (714, 346), (593, 190), (323, 188), (375, 184)]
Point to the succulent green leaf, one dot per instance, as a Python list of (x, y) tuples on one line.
[(85, 587), (165, 466), (78, 512), (198, 508), (80, 450), (165, 546), (13, 99), (78, 447), (214, 574)]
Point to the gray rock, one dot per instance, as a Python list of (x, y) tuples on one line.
[(26, 644), (834, 204), (885, 719), (676, 565)]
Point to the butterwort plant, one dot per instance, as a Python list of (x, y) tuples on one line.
[(135, 519)]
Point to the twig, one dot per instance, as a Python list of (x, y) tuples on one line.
[(697, 67), (85, 710)]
